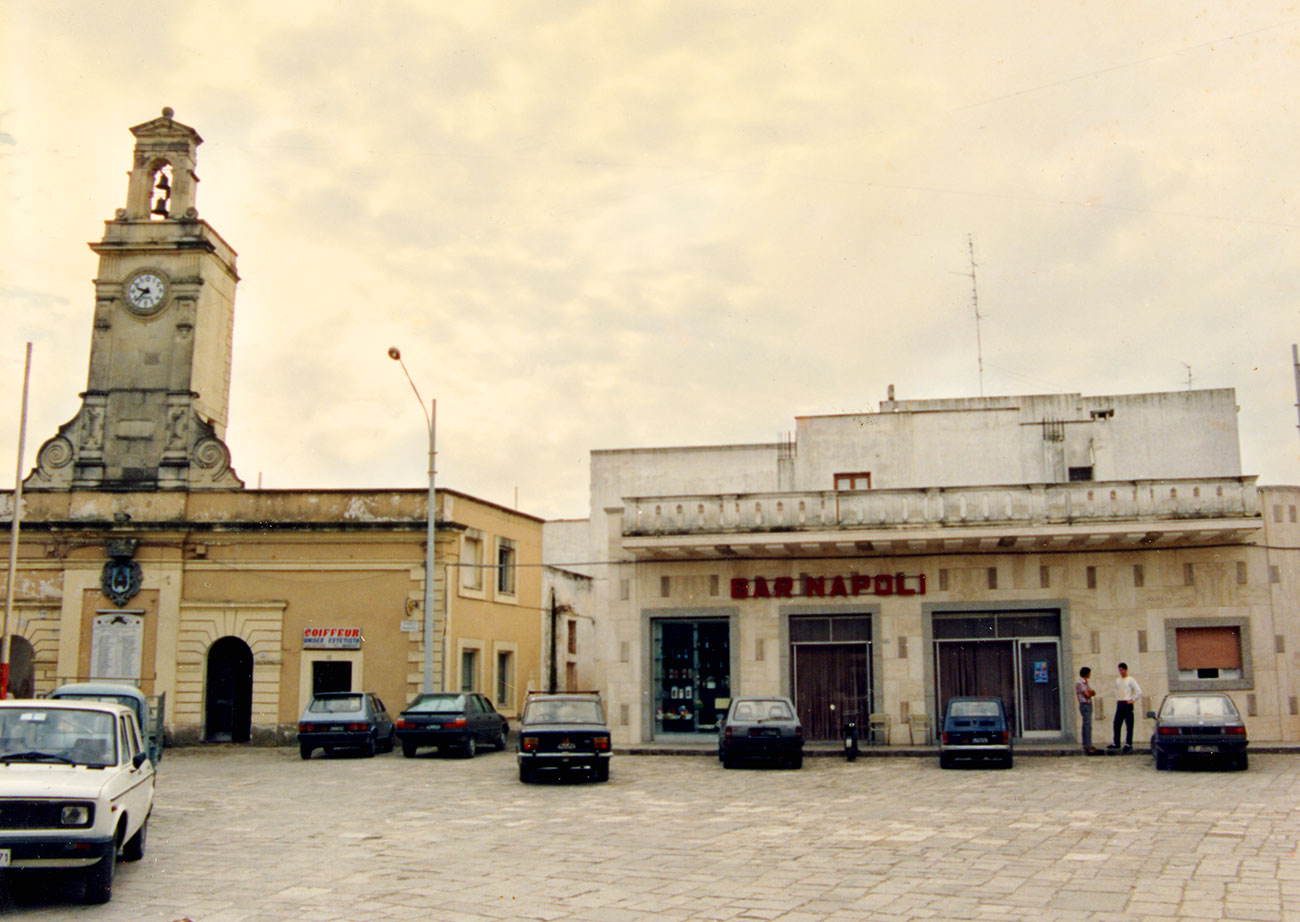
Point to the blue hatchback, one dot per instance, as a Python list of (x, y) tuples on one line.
[(976, 729)]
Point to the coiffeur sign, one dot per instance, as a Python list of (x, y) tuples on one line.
[(331, 638), (817, 587)]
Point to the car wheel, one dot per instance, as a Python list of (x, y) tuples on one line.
[(728, 761), (945, 760), (796, 761), (1008, 761), (408, 749), (600, 771), (99, 880), (500, 742), (305, 751), (1163, 762), (391, 741), (1243, 762), (368, 750), (134, 848), (469, 748), (526, 773)]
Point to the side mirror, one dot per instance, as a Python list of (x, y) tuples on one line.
[(140, 759), (1151, 715)]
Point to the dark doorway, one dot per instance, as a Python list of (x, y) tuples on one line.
[(228, 710), (22, 676), (329, 676), (692, 674), (984, 668), (830, 666)]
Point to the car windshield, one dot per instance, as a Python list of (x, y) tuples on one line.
[(762, 710), (77, 737), (336, 704), (439, 704), (564, 711), (1206, 706), (973, 709)]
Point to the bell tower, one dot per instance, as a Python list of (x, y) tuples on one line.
[(153, 416)]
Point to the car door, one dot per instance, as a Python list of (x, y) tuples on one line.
[(383, 721), (137, 796), (491, 719)]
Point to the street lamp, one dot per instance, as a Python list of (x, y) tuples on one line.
[(430, 417)]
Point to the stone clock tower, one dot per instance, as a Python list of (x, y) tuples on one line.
[(153, 416)]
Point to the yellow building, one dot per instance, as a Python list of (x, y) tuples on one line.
[(143, 558)]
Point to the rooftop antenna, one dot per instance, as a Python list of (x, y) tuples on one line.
[(1295, 361), (975, 303)]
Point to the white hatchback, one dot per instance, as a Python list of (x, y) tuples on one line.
[(76, 789)]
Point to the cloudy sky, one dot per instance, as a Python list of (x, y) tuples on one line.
[(619, 224)]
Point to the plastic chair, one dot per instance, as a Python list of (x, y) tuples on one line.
[(877, 729)]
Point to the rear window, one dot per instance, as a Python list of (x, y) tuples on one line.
[(335, 704), (763, 710), (439, 704), (974, 709), (564, 711), (1207, 706)]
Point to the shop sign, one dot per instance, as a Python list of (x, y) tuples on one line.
[(818, 587), (331, 638)]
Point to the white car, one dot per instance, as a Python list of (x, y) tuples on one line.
[(76, 789)]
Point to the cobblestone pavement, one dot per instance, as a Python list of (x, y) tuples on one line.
[(257, 834)]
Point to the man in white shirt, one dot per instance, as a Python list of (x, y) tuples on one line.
[(1127, 692)]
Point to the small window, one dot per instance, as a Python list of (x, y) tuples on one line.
[(573, 637), (468, 670), (1080, 473), (858, 481), (1139, 576), (471, 563), (1209, 652), (506, 562), (1091, 575), (505, 678)]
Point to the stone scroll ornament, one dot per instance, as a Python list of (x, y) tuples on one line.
[(121, 577)]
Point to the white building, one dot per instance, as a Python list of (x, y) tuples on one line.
[(884, 562)]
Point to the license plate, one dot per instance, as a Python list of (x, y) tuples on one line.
[(4, 857), (567, 745), (979, 739), (337, 728), (1202, 748)]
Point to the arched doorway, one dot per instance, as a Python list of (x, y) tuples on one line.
[(22, 675), (228, 692)]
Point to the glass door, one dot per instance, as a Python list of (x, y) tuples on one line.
[(1040, 688), (692, 674)]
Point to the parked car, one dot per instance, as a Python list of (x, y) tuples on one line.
[(76, 789), (975, 729), (150, 714), (456, 721), (761, 728), (345, 720), (1198, 726), (562, 733)]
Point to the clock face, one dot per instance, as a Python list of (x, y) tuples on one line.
[(145, 292)]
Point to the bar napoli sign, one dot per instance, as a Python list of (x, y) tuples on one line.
[(819, 587)]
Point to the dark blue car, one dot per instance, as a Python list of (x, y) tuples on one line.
[(975, 729)]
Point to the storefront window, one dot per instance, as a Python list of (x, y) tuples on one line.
[(692, 674)]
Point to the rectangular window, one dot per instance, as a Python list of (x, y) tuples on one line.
[(1209, 652), (1080, 473), (506, 562), (1274, 574), (1139, 576), (1277, 513), (468, 670), (1189, 575), (714, 587), (625, 589), (1241, 572), (1091, 576), (1045, 577), (1291, 512), (858, 481), (993, 577), (665, 586), (943, 580), (573, 637), (471, 563), (505, 678)]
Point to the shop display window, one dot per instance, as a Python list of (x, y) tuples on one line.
[(692, 674)]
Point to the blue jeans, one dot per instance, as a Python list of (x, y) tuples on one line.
[(1085, 723)]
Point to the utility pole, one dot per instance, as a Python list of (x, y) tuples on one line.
[(5, 645)]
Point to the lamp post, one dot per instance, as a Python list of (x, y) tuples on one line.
[(430, 417)]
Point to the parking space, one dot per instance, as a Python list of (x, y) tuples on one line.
[(257, 834)]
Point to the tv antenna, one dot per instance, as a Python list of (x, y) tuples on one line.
[(975, 303)]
